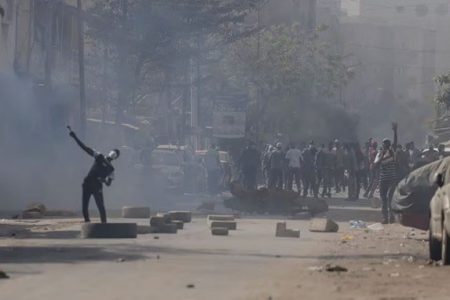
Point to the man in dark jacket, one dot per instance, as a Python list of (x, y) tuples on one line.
[(309, 170), (102, 171), (249, 162), (276, 162)]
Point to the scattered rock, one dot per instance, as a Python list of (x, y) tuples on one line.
[(180, 224), (230, 225), (121, 260), (335, 268), (3, 275), (282, 231), (219, 231), (190, 286), (323, 225), (395, 275), (156, 237)]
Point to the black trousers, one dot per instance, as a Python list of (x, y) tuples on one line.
[(294, 173), (96, 191), (276, 179), (387, 189), (249, 174)]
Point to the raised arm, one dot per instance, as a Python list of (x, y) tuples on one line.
[(88, 150), (395, 129)]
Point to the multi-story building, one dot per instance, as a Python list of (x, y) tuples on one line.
[(39, 44)]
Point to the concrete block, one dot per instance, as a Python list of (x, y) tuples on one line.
[(282, 231), (183, 216), (158, 221), (280, 228), (230, 225), (219, 231), (169, 228), (180, 224), (143, 229), (165, 216), (220, 218), (323, 225), (135, 212)]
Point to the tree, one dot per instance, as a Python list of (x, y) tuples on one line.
[(287, 80), (153, 43), (443, 94)]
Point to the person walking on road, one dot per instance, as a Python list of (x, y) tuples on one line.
[(212, 164), (276, 162), (339, 178), (249, 161), (102, 171), (387, 160), (294, 158), (309, 170)]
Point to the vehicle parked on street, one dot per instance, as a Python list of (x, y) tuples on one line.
[(421, 200), (168, 165), (226, 165)]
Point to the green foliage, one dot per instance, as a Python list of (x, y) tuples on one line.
[(442, 96)]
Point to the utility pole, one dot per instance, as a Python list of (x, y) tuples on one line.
[(194, 109), (123, 81), (81, 70)]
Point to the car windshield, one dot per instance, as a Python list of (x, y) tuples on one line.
[(164, 158)]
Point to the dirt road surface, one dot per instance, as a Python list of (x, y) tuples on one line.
[(46, 260)]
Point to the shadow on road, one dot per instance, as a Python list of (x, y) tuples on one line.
[(56, 254)]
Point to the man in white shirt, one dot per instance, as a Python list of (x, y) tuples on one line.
[(294, 158)]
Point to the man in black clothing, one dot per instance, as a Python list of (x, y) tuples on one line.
[(249, 162), (102, 171), (276, 162)]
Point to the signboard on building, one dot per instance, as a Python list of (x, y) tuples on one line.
[(229, 116)]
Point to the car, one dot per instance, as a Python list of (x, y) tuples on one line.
[(421, 201), (226, 165), (168, 164)]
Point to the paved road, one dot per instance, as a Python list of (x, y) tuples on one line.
[(46, 260)]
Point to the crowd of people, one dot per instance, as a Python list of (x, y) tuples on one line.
[(337, 167)]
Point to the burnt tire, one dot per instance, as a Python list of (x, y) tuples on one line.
[(435, 246), (109, 231), (445, 248), (135, 212)]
